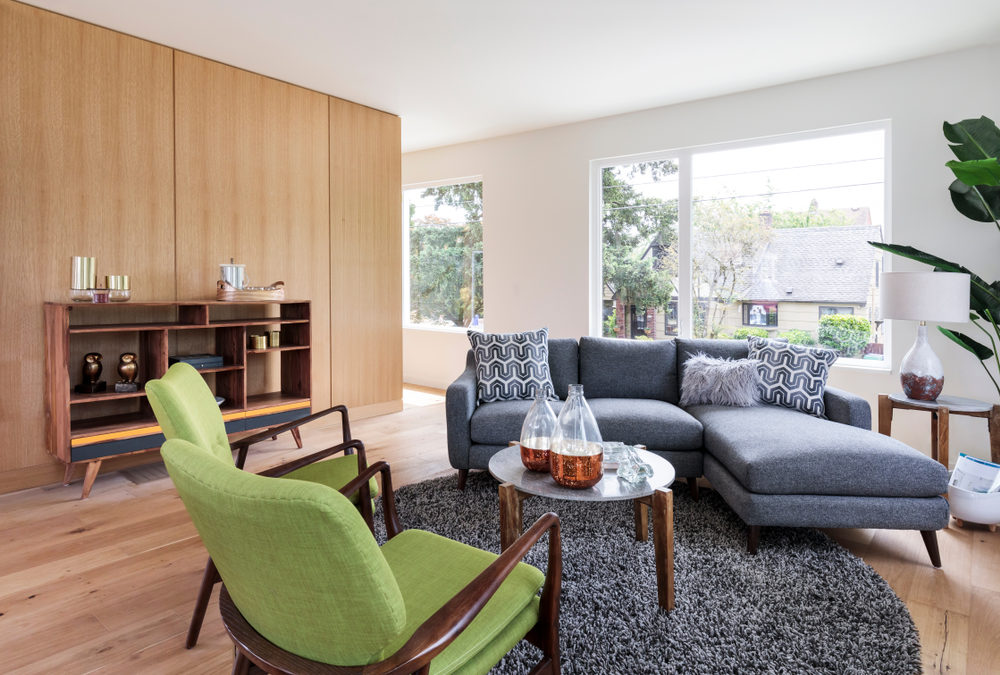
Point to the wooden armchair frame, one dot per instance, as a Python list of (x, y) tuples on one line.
[(242, 447), (441, 628)]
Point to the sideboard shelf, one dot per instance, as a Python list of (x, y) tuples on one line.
[(272, 388)]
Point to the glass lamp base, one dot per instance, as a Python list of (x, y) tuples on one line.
[(921, 372)]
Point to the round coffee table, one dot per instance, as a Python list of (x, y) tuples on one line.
[(518, 483)]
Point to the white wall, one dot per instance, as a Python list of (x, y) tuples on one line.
[(536, 203)]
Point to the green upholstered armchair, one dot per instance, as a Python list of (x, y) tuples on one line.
[(185, 408), (306, 587)]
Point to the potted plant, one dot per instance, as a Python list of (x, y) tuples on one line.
[(975, 192)]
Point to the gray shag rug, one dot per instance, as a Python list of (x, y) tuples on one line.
[(803, 604)]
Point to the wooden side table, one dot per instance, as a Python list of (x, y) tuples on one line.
[(940, 411)]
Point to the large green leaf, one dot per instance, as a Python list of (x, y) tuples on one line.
[(985, 297), (973, 138), (981, 351), (976, 171), (980, 203)]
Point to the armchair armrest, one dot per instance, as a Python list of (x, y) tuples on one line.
[(460, 403), (847, 408), (442, 627), (243, 444), (288, 467), (361, 485)]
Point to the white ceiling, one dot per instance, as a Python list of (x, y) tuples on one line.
[(460, 70)]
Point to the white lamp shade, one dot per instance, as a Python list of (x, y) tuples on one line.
[(925, 296)]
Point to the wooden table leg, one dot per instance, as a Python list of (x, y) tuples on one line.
[(884, 415), (641, 520), (993, 421), (90, 477), (663, 546), (510, 515), (939, 435)]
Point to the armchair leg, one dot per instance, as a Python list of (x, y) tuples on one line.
[(753, 538), (241, 665), (208, 581), (930, 541), (463, 474)]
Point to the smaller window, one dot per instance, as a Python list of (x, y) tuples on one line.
[(826, 310), (763, 314)]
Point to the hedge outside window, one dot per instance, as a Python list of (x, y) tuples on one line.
[(763, 314), (444, 255)]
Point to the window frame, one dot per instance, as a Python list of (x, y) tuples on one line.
[(747, 306), (683, 157), (405, 220)]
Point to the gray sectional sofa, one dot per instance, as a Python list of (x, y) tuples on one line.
[(774, 466)]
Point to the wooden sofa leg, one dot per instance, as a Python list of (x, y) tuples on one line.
[(463, 474), (930, 541), (693, 488), (753, 538)]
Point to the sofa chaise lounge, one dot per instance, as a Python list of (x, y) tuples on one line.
[(773, 466)]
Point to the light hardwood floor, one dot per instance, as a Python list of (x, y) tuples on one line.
[(107, 584)]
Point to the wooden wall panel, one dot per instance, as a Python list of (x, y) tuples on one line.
[(365, 257), (86, 168), (253, 184)]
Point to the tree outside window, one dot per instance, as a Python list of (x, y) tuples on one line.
[(445, 225)]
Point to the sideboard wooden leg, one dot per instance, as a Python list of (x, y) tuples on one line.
[(297, 437), (89, 478), (68, 474)]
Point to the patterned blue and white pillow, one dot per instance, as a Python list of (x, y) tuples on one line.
[(511, 366), (792, 376)]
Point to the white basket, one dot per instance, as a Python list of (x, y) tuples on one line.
[(974, 507)]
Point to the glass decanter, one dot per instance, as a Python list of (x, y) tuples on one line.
[(536, 434), (576, 459)]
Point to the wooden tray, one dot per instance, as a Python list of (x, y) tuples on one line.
[(275, 291)]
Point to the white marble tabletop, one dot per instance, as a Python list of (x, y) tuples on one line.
[(952, 403), (506, 467)]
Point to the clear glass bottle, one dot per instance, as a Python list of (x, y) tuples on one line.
[(536, 434), (576, 459)]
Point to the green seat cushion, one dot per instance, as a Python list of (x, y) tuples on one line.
[(430, 570), (335, 472)]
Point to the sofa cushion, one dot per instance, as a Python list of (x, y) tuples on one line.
[(792, 376), (564, 364), (656, 424), (511, 366), (774, 450), (500, 422), (615, 368)]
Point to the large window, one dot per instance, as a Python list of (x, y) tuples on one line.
[(756, 234), (444, 255)]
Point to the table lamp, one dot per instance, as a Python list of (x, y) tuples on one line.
[(923, 297)]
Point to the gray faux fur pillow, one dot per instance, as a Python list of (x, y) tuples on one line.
[(720, 382)]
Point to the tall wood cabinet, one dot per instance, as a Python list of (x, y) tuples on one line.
[(85, 428)]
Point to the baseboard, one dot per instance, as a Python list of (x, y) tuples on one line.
[(52, 473)]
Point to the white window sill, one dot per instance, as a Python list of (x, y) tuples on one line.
[(862, 364)]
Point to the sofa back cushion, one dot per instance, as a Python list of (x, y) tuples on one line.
[(564, 364), (616, 368)]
